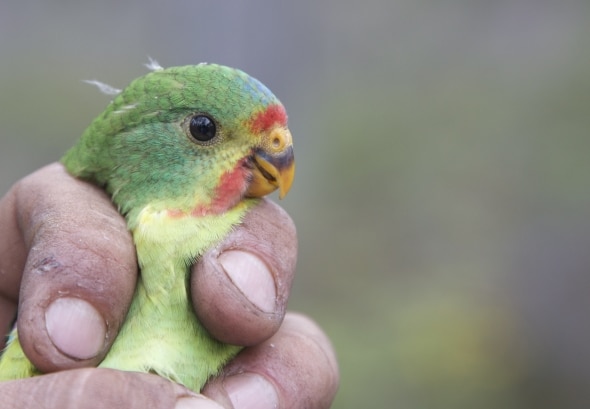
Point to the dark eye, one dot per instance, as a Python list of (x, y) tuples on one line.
[(202, 128)]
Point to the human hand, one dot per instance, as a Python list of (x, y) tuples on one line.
[(67, 251)]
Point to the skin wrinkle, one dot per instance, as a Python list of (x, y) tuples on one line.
[(71, 242), (61, 253), (291, 359), (13, 257), (242, 312), (280, 361), (267, 250), (103, 257), (15, 245), (89, 388), (52, 265), (209, 279)]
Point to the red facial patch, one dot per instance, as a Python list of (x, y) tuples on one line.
[(264, 120), (175, 213), (228, 192)]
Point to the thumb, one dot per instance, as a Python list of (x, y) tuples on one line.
[(74, 263)]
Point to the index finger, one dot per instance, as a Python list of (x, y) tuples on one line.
[(67, 259)]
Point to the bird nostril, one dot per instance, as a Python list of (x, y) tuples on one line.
[(278, 139)]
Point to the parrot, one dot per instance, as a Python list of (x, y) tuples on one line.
[(184, 153)]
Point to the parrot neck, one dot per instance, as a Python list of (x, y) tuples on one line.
[(168, 243), (161, 333)]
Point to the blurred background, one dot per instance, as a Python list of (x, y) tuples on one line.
[(443, 150)]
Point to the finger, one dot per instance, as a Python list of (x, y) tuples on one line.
[(79, 273), (12, 261), (240, 288), (99, 388), (296, 368)]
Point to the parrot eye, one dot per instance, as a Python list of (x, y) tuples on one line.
[(202, 128)]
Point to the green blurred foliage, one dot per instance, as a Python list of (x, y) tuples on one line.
[(442, 196)]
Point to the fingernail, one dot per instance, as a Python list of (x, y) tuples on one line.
[(196, 403), (250, 391), (252, 276), (75, 327)]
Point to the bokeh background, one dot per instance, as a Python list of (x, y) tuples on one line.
[(443, 148)]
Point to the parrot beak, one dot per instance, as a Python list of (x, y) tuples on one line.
[(274, 164)]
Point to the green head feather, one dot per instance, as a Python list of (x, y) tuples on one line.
[(140, 149)]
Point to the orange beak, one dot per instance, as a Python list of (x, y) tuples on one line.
[(274, 164)]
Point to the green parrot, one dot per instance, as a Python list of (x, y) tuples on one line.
[(184, 153)]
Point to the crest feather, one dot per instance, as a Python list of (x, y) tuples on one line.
[(104, 88)]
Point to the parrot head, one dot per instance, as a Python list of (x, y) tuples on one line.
[(195, 139)]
